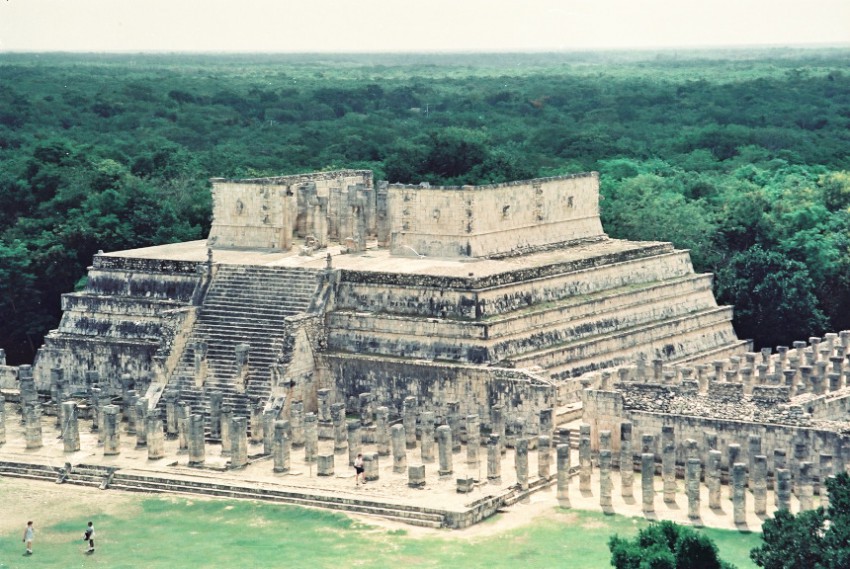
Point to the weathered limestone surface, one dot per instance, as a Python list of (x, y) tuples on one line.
[(563, 466)]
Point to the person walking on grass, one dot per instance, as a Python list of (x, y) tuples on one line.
[(29, 534), (89, 536)]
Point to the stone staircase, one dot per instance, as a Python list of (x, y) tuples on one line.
[(139, 481), (244, 305)]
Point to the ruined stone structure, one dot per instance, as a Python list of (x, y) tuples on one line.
[(765, 417), (463, 297), (480, 316)]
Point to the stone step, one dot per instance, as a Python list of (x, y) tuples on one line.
[(150, 484), (31, 471)]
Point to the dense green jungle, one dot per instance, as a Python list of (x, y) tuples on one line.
[(743, 157)]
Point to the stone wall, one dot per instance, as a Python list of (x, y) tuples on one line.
[(435, 384), (128, 314), (267, 212), (493, 220)]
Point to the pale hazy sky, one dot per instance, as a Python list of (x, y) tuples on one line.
[(414, 25)]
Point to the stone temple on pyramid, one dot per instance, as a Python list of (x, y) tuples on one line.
[(326, 288)]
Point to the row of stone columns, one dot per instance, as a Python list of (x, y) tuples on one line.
[(739, 479), (817, 366)]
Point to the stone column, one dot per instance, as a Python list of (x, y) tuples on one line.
[(563, 465), (497, 424), (370, 467), (647, 475), (311, 437), (544, 456), (57, 385), (111, 433), (2, 418), (216, 398), (226, 424), (129, 409), (71, 427), (94, 404), (668, 463), (806, 489), (426, 420), (733, 455), (382, 431), (140, 413), (325, 465), (268, 417), (805, 380), (521, 462), (824, 472), (399, 450), (782, 493), (282, 446), (747, 379), (416, 476), (26, 385), (584, 461), (453, 421), (647, 444), (739, 493), (238, 442), (712, 478), (692, 484), (32, 425), (605, 484), (444, 444), (355, 441), (409, 413), (753, 450), (759, 484), (154, 436), (170, 413), (801, 452), (296, 424), (605, 440), (184, 410), (834, 381), (365, 400), (494, 460), (340, 431), (323, 397), (627, 468), (473, 441), (197, 451), (779, 459), (547, 423)]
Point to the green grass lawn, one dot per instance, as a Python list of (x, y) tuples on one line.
[(175, 533)]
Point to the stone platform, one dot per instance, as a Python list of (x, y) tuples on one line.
[(436, 505)]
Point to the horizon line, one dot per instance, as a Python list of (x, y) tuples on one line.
[(483, 51)]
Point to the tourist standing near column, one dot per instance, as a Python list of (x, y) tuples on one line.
[(359, 470)]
